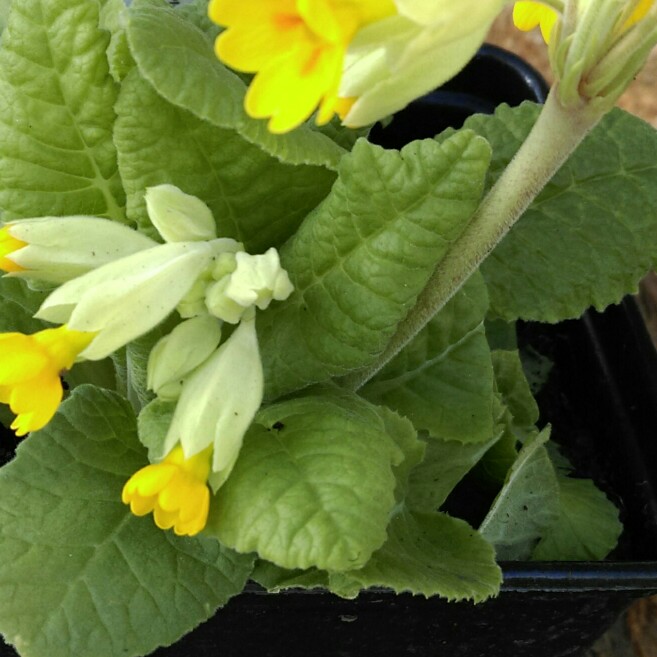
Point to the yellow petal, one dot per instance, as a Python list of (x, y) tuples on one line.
[(35, 402), (528, 15), (639, 13), (8, 245), (20, 358), (141, 506)]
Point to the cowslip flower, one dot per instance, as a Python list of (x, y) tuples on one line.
[(400, 58), (253, 280), (180, 352), (57, 249), (529, 14), (296, 48), (361, 59), (596, 48), (218, 402), (30, 369), (175, 491)]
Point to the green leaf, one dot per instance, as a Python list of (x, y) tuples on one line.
[(178, 59), (527, 504), (445, 464), (443, 380), (17, 305), (153, 422), (56, 113), (81, 575), (275, 579), (312, 488), (428, 554), (587, 528), (590, 235), (519, 415), (359, 261), (254, 198), (512, 385), (113, 15)]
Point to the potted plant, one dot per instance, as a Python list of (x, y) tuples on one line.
[(296, 348)]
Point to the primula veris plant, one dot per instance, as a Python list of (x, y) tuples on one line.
[(283, 331)]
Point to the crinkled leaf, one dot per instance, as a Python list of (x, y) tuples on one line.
[(428, 554), (527, 504), (79, 574), (360, 260), (178, 59), (312, 488), (587, 527), (275, 579), (443, 380), (590, 235), (113, 15), (254, 198), (56, 113)]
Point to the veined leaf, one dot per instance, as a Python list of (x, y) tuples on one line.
[(590, 234), (443, 380), (428, 554), (359, 261), (314, 487), (79, 574), (255, 198), (178, 59), (56, 113), (587, 527), (527, 504)]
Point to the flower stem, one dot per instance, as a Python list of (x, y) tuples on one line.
[(555, 135)]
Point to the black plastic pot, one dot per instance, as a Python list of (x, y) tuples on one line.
[(602, 401)]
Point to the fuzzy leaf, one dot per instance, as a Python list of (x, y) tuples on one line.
[(17, 305), (527, 504), (590, 235), (312, 488), (587, 528), (443, 380), (178, 59), (56, 113), (361, 258), (254, 198), (79, 574), (428, 554)]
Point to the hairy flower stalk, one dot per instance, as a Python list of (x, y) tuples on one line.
[(591, 74)]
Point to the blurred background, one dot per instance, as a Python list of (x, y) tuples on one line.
[(635, 633)]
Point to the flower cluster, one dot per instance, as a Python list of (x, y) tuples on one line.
[(115, 285), (361, 59), (596, 48)]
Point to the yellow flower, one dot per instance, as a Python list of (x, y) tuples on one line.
[(528, 15), (297, 49), (30, 368), (175, 490), (8, 245)]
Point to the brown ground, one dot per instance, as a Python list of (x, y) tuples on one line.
[(635, 633)]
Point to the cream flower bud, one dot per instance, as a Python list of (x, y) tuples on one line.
[(57, 249), (180, 352), (398, 59), (256, 281), (179, 217), (219, 401), (128, 297)]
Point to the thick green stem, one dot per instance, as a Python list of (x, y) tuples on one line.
[(555, 135)]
